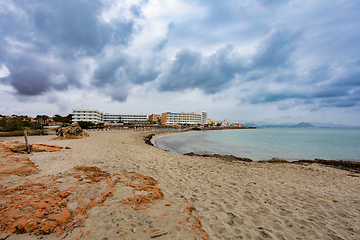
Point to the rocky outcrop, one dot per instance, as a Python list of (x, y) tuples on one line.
[(229, 158), (276, 160), (74, 131), (345, 165), (148, 138), (19, 147)]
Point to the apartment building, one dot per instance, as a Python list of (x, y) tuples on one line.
[(154, 117), (123, 118), (89, 115), (184, 118), (203, 118), (95, 116), (168, 118)]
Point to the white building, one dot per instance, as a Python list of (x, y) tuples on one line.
[(203, 117), (89, 115), (169, 118), (123, 118), (184, 118), (95, 116)]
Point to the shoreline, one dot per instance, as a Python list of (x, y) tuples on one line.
[(231, 200), (349, 163)]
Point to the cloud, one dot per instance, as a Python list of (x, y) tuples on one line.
[(4, 71), (162, 44), (214, 73), (328, 86), (44, 43), (270, 3), (116, 73), (191, 70), (275, 50), (282, 54)]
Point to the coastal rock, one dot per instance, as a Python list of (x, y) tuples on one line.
[(277, 160), (45, 148), (74, 131), (345, 165), (148, 138), (18, 147), (229, 158)]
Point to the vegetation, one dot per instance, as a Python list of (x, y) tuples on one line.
[(277, 160), (64, 120), (87, 125), (42, 119), (19, 123)]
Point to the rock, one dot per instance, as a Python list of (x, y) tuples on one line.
[(18, 147), (74, 131), (277, 160), (45, 148), (228, 158), (148, 138)]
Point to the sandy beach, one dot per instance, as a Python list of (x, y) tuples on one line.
[(203, 198)]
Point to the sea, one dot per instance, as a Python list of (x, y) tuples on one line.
[(266, 143)]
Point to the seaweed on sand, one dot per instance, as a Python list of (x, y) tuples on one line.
[(345, 165)]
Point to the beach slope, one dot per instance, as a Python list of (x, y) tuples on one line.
[(203, 198)]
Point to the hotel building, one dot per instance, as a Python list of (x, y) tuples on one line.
[(184, 118), (168, 118), (95, 116), (89, 115), (123, 118), (154, 117)]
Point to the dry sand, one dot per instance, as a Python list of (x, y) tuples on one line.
[(233, 200)]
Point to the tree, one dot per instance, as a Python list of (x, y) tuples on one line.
[(86, 124), (68, 119), (17, 123), (58, 118), (41, 119)]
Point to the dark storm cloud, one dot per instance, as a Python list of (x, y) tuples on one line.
[(323, 86), (191, 70), (125, 67), (273, 62), (33, 75), (326, 86), (275, 50), (214, 73), (336, 83), (43, 42), (30, 82), (114, 73)]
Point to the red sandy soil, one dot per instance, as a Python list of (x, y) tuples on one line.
[(58, 204)]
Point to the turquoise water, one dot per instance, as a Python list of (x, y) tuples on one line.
[(263, 144)]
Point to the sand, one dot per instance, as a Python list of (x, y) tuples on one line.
[(203, 198)]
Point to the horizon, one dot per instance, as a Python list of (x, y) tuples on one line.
[(248, 61)]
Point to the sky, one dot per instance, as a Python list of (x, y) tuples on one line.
[(284, 61)]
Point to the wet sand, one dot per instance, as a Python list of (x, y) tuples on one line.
[(228, 200)]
